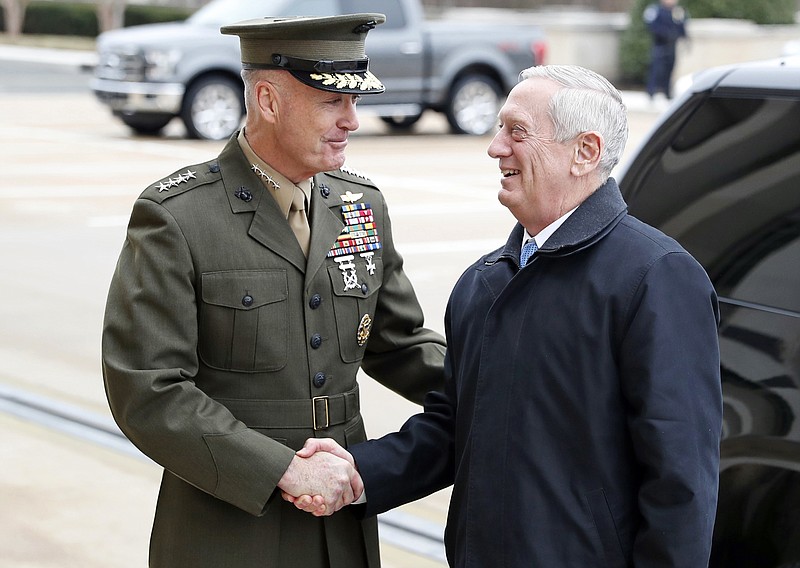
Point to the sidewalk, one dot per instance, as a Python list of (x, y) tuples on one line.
[(53, 56)]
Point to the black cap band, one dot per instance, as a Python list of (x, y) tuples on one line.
[(313, 66)]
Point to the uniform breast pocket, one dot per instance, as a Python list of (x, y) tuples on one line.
[(244, 320), (355, 280)]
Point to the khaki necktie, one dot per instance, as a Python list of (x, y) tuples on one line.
[(298, 220)]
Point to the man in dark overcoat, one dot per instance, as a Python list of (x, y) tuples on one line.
[(249, 291), (582, 410)]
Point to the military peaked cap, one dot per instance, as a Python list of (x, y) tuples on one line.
[(326, 53)]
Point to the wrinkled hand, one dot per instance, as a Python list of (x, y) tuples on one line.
[(316, 503), (323, 480)]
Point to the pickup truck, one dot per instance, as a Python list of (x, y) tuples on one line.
[(149, 74)]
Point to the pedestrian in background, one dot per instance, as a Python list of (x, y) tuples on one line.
[(249, 292), (666, 22)]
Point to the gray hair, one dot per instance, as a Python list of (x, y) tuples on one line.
[(587, 102), (252, 76)]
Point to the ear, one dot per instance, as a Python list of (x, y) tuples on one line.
[(267, 99), (588, 148)]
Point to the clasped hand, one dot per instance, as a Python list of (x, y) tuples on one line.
[(322, 478)]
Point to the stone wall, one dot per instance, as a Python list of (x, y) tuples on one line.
[(592, 39)]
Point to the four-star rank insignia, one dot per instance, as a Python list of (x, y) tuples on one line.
[(165, 185)]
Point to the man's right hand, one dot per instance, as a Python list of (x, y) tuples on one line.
[(317, 503), (325, 481)]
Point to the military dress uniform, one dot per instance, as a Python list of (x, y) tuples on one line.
[(225, 348)]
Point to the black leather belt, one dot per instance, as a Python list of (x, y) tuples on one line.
[(318, 413)]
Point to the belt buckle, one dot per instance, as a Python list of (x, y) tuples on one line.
[(314, 400)]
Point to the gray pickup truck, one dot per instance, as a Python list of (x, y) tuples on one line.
[(147, 75)]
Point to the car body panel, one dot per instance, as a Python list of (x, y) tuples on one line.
[(720, 172)]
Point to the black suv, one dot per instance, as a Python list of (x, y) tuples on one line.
[(721, 174)]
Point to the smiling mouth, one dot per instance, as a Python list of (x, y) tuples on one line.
[(509, 173)]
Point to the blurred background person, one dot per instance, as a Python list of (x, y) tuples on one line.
[(666, 22)]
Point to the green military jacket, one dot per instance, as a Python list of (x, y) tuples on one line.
[(224, 350)]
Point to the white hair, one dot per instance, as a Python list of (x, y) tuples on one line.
[(586, 102)]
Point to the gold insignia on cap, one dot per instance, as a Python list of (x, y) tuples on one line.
[(348, 80), (363, 330)]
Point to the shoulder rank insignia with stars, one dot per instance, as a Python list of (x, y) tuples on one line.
[(165, 185), (352, 172)]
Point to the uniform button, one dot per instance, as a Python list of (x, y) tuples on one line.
[(247, 301), (315, 301), (213, 168), (316, 340), (364, 289), (324, 190), (319, 380)]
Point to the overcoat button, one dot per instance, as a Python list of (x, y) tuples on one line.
[(324, 190), (319, 380), (316, 340), (364, 289), (247, 301), (315, 301)]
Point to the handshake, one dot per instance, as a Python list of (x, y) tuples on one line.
[(321, 478)]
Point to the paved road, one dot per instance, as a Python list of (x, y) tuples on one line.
[(70, 174)]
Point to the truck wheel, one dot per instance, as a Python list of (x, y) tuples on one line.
[(401, 122), (146, 123), (213, 108), (473, 106)]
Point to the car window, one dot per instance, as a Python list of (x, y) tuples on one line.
[(726, 186), (395, 17), (764, 269)]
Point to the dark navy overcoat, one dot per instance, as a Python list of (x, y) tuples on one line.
[(581, 418)]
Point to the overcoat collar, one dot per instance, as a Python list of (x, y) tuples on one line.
[(592, 220)]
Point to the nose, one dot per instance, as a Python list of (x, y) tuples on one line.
[(498, 146), (349, 120)]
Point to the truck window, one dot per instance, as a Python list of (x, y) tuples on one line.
[(221, 12), (395, 17)]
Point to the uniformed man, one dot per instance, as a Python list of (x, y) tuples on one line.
[(667, 24), (249, 291)]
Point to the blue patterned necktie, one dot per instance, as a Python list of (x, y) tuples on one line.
[(527, 252)]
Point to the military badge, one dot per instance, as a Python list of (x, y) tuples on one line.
[(364, 327), (367, 256), (360, 233), (348, 271), (350, 197)]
